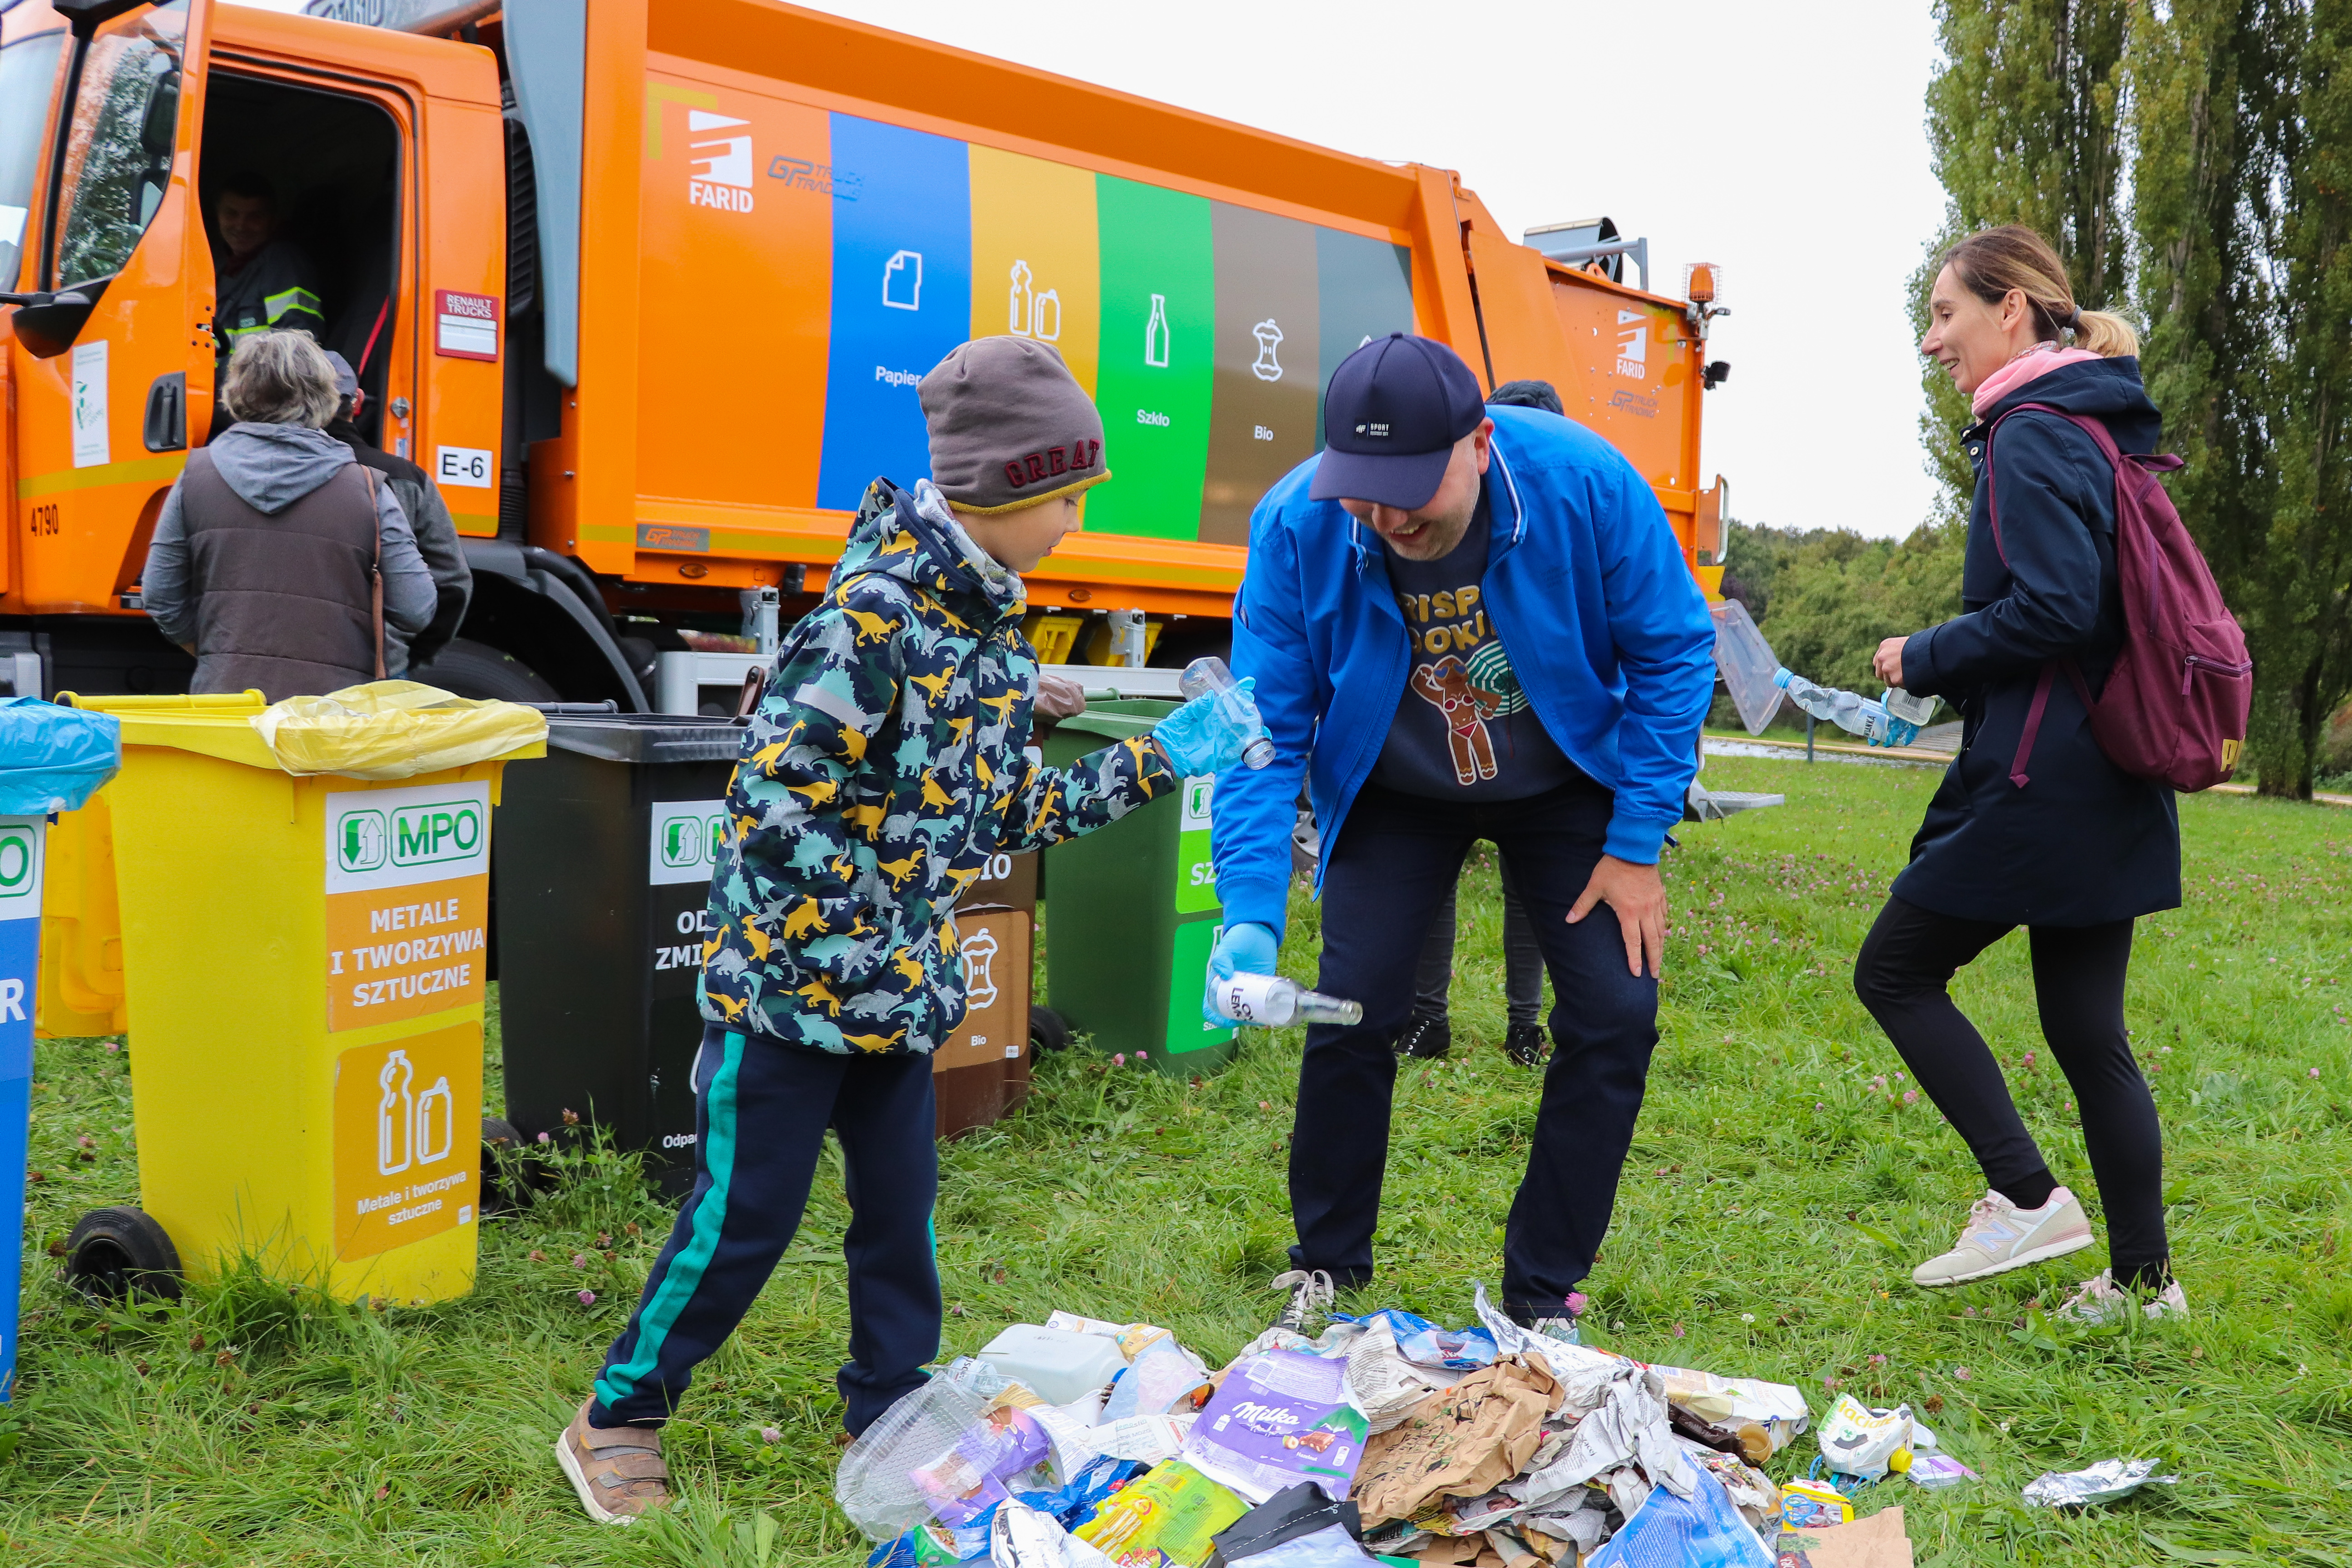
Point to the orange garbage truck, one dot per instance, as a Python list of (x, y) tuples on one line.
[(645, 288)]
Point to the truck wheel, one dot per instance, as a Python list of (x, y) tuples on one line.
[(510, 1172), (1048, 1030), (114, 1252), (476, 670)]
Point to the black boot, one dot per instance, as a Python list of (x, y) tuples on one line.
[(1425, 1037), (1527, 1046)]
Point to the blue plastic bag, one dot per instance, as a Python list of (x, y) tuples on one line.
[(53, 758), (1703, 1531), (1423, 1343)]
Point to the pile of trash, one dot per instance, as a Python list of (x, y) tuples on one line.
[(1085, 1443)]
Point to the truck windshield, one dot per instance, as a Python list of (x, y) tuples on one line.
[(119, 149), (28, 72)]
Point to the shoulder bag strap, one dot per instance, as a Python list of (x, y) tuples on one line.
[(375, 567)]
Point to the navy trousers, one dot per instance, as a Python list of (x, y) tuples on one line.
[(761, 1114), (1396, 859)]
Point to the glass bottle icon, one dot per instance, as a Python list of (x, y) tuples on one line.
[(395, 1116), (1155, 334)]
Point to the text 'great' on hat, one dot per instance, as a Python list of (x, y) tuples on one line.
[(1009, 426), (1395, 408)]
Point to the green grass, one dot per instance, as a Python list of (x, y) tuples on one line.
[(1771, 1179)]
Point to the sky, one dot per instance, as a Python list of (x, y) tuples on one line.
[(1786, 143)]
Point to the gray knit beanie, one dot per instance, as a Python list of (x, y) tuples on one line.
[(1009, 426)]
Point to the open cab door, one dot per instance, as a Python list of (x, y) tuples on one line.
[(109, 343)]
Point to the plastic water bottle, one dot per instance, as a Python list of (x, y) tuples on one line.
[(1849, 711), (1208, 675), (1272, 1002), (1901, 704)]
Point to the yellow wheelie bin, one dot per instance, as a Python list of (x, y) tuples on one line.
[(304, 957)]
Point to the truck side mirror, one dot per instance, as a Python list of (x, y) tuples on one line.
[(46, 324)]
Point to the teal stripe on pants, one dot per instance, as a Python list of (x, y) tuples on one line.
[(677, 1286)]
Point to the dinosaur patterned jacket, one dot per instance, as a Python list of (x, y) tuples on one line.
[(886, 763)]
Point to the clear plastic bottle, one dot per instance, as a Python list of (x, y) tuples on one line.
[(1207, 675), (1850, 711), (1272, 1002)]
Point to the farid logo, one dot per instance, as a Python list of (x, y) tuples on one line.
[(1632, 345), (722, 173)]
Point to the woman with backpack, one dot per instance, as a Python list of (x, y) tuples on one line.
[(2034, 826)]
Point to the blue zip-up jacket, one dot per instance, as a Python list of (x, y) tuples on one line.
[(1606, 631)]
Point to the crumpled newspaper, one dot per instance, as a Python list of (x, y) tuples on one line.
[(1626, 1427), (1385, 1385), (2102, 1482)]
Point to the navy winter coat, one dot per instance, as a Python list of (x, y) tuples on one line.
[(2083, 843)]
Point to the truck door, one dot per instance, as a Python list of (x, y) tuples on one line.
[(111, 351)]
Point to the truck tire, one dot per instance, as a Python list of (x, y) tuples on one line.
[(476, 670)]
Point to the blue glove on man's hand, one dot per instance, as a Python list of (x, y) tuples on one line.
[(1209, 734), (1245, 949)]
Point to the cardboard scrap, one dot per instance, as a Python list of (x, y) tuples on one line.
[(1878, 1541), (1462, 1441)]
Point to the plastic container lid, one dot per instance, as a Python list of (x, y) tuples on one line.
[(1746, 661), (644, 738)]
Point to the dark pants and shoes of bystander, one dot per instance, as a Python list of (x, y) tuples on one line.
[(1396, 858)]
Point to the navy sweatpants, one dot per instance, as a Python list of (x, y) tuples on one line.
[(761, 1114), (1396, 859)]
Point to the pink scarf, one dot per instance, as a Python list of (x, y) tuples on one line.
[(2037, 361)]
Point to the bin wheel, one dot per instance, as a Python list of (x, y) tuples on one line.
[(1048, 1030), (117, 1252), (505, 1184)]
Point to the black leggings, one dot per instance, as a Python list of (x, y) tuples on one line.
[(1908, 959)]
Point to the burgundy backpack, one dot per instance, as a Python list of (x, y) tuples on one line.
[(2176, 701)]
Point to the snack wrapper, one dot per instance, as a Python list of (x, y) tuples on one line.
[(1280, 1418)]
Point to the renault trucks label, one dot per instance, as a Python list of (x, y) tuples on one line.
[(408, 894)]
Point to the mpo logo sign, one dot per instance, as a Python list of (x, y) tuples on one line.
[(390, 839), (687, 835), (20, 871)]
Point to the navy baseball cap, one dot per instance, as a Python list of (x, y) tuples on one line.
[(1395, 410)]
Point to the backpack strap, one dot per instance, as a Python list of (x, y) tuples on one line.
[(2098, 432)]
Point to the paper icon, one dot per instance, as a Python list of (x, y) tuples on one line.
[(902, 280)]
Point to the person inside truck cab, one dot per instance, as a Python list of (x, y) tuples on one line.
[(264, 282)]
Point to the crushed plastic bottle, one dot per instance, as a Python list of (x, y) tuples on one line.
[(1848, 711), (1901, 704), (1207, 675), (1273, 1003)]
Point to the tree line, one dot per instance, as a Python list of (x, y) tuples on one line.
[(2192, 160)]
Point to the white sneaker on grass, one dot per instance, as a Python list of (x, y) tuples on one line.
[(2099, 1300), (2001, 1237)]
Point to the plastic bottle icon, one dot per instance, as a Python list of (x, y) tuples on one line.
[(1269, 337), (395, 1116), (1155, 334), (436, 1122)]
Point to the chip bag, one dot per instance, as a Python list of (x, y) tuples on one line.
[(1164, 1520)]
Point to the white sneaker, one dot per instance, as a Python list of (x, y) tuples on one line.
[(1311, 1296), (2099, 1300), (2001, 1237)]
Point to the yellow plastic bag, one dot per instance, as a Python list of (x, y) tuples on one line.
[(394, 729)]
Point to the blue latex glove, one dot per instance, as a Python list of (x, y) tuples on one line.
[(1245, 949), (1209, 734)]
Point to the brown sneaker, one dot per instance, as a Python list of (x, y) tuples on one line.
[(617, 1471)]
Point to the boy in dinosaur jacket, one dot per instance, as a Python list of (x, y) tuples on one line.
[(885, 764)]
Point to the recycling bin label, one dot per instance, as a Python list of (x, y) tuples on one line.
[(1196, 874), (406, 1113), (21, 839), (686, 838), (408, 902), (1188, 975)]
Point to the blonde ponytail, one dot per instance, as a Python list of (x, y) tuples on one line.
[(1991, 264), (2108, 336)]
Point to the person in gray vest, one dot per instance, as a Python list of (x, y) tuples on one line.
[(428, 519), (266, 557)]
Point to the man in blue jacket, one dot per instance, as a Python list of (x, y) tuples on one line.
[(1463, 626)]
